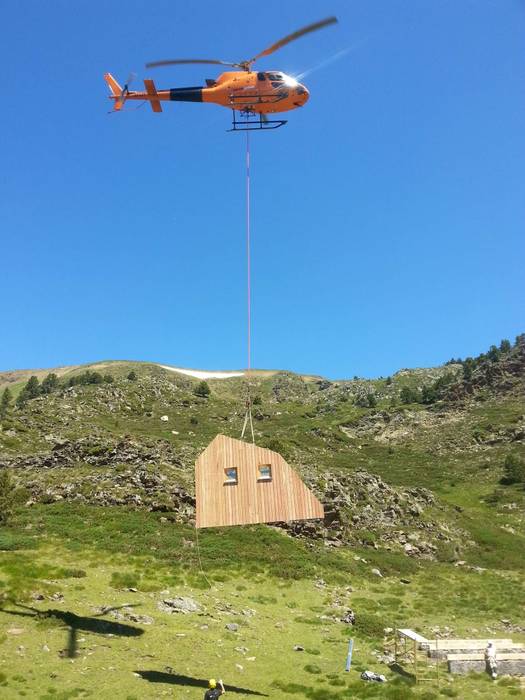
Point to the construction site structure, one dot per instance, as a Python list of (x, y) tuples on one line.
[(462, 656)]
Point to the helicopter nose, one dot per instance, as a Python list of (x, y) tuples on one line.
[(302, 93)]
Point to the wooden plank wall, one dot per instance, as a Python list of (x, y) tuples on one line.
[(284, 498)]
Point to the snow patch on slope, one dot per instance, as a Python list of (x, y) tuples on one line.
[(202, 374)]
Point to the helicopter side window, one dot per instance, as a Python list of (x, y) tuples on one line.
[(275, 77), (261, 76)]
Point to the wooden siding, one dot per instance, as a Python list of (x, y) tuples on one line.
[(250, 500)]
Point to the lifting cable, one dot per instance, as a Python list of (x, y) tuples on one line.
[(248, 414)]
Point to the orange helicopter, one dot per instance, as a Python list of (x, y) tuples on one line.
[(252, 95)]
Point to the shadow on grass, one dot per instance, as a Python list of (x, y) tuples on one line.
[(75, 623), (175, 679), (78, 622), (397, 668)]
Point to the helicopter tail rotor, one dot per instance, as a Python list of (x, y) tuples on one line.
[(119, 93)]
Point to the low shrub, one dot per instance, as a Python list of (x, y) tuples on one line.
[(124, 579), (369, 625), (73, 573), (10, 541), (312, 668), (513, 470)]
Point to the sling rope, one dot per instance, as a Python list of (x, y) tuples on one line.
[(248, 415), (199, 557)]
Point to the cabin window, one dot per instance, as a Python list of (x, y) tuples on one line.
[(275, 76), (230, 475), (261, 76), (264, 472)]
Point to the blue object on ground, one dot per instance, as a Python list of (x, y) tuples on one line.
[(349, 655)]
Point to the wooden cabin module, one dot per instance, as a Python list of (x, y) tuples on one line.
[(238, 483)]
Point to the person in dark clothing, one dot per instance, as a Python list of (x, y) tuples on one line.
[(213, 692)]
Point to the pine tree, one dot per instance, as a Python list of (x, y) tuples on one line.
[(493, 353), (505, 345), (30, 391), (49, 384), (203, 390), (32, 388), (21, 399), (468, 367), (132, 376), (5, 402)]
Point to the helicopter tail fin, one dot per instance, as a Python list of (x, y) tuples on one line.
[(153, 96), (116, 90)]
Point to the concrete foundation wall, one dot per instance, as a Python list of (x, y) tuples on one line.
[(443, 653), (506, 667)]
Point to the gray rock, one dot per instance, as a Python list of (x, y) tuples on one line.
[(348, 618), (140, 619), (179, 605)]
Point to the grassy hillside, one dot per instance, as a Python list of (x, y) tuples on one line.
[(422, 531)]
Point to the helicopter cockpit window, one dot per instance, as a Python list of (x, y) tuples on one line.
[(261, 76), (277, 77)]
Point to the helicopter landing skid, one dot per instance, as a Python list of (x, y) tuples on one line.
[(253, 121)]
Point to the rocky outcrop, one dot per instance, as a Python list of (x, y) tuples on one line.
[(123, 473), (495, 377), (96, 452), (393, 428), (362, 508), (135, 488), (289, 387)]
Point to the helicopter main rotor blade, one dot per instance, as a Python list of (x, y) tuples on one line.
[(178, 61), (295, 35)]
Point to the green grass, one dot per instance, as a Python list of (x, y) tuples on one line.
[(93, 555), (131, 533), (264, 571)]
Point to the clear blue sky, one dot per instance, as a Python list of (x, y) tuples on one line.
[(388, 215)]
